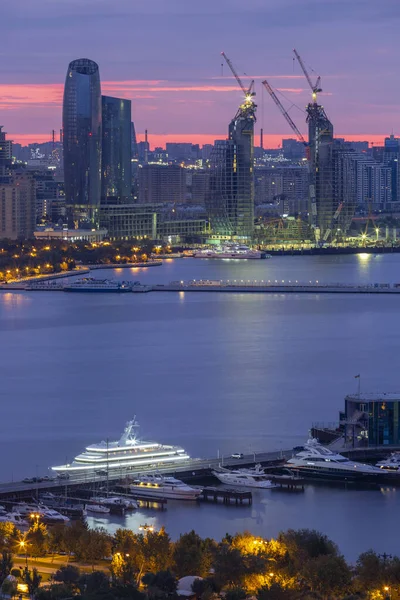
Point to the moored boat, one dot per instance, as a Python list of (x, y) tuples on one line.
[(91, 285), (318, 462), (97, 508), (255, 477), (158, 486), (129, 452)]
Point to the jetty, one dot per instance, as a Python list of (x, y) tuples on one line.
[(276, 287)]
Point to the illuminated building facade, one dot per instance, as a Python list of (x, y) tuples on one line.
[(116, 173), (82, 142)]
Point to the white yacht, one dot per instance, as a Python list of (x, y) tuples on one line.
[(45, 514), (16, 519), (127, 503), (129, 452), (318, 462), (255, 477), (89, 284), (157, 486), (390, 463), (97, 508), (236, 251)]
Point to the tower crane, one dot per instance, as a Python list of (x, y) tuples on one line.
[(247, 92), (315, 88), (284, 112)]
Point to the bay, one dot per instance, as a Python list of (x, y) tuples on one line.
[(212, 372)]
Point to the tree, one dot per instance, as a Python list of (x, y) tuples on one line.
[(304, 544), (94, 583), (6, 564), (9, 587), (236, 593), (229, 565), (192, 555), (32, 580), (205, 589), (329, 575), (154, 550), (37, 536), (69, 575), (276, 592), (56, 538), (160, 585)]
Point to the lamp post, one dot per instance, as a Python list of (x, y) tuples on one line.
[(23, 546)]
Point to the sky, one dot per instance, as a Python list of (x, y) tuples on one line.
[(165, 55)]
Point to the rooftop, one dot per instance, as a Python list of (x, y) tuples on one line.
[(374, 397)]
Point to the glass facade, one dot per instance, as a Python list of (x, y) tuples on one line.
[(116, 172), (231, 191), (377, 417), (82, 143)]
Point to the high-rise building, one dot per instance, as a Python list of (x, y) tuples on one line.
[(161, 183), (5, 153), (116, 150), (322, 203), (231, 192), (134, 146), (17, 207), (82, 142)]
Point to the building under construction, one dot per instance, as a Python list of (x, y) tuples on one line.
[(331, 165), (231, 193)]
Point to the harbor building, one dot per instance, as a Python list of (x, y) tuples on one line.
[(371, 419), (116, 150), (82, 142)]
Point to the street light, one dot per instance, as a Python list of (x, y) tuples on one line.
[(23, 545)]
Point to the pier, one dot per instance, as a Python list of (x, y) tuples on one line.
[(226, 496), (276, 287)]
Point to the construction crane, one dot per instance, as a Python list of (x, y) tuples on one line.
[(249, 92), (284, 112), (315, 88)]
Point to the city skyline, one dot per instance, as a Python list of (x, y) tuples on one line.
[(178, 88)]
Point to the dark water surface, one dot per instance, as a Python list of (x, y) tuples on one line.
[(228, 372)]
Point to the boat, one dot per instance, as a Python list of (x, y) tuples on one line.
[(116, 501), (255, 477), (92, 285), (97, 508), (45, 514), (390, 463), (318, 462), (233, 251), (16, 519), (129, 452), (158, 486)]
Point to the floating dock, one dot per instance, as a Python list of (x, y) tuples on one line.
[(225, 496)]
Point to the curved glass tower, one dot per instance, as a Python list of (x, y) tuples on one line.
[(82, 143)]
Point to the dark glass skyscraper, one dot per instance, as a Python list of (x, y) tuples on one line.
[(82, 142), (116, 172)]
